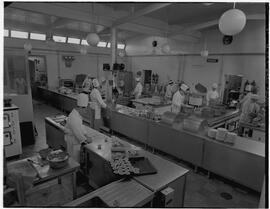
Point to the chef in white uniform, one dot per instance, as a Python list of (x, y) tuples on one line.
[(87, 84), (138, 89), (75, 133), (178, 99), (212, 94), (169, 90), (103, 87), (96, 104)]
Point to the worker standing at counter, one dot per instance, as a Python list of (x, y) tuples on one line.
[(138, 89), (87, 84), (169, 91), (178, 99), (213, 94), (96, 104), (75, 133)]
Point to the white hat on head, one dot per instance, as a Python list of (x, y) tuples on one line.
[(95, 83), (82, 100), (102, 79), (170, 82), (137, 78), (214, 86)]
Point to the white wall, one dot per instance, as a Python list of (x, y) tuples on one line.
[(245, 56), (92, 63)]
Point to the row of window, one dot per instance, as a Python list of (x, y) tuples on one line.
[(60, 39)]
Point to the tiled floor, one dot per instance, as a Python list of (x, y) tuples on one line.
[(200, 190)]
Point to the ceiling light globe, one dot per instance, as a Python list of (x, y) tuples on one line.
[(232, 22), (92, 39)]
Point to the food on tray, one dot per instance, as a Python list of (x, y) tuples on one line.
[(57, 156), (122, 166)]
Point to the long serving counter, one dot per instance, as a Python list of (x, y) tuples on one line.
[(242, 162), (95, 164)]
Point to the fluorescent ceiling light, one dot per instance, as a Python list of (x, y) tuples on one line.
[(60, 39), (84, 42), (38, 36), (101, 44), (73, 40), (121, 46), (109, 45), (6, 33), (19, 34)]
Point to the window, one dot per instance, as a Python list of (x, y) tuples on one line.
[(19, 34), (6, 33), (102, 44), (109, 45), (73, 41), (38, 36), (121, 46), (60, 39), (84, 42)]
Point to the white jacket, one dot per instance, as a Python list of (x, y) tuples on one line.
[(211, 95), (97, 102), (74, 134), (138, 90), (177, 102), (169, 91)]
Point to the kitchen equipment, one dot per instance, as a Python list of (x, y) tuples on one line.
[(195, 100), (201, 88), (7, 102), (221, 134), (12, 134), (69, 83), (144, 165), (57, 159), (44, 153), (212, 133), (232, 88), (230, 137), (194, 124), (168, 117)]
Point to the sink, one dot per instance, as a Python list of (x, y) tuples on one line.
[(94, 202)]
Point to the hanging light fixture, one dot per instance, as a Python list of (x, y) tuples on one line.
[(232, 21), (27, 46), (83, 51), (204, 52), (92, 38)]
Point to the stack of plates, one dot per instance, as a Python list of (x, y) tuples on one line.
[(212, 133), (230, 138), (221, 134)]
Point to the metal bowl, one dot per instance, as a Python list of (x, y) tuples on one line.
[(58, 159)]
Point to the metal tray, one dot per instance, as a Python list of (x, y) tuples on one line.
[(144, 165)]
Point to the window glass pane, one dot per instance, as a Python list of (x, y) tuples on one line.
[(6, 33), (84, 42), (102, 44), (38, 36), (73, 41), (109, 45), (60, 39), (120, 46), (19, 34), (15, 74)]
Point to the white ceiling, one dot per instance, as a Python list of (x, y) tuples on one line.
[(78, 19)]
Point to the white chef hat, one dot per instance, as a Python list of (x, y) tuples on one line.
[(170, 82), (137, 78), (102, 79), (95, 83), (82, 100), (214, 86)]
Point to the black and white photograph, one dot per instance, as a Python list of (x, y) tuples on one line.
[(127, 104)]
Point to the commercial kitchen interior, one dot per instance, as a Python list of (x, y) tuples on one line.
[(194, 136)]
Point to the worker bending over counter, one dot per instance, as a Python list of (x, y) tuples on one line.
[(75, 133)]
